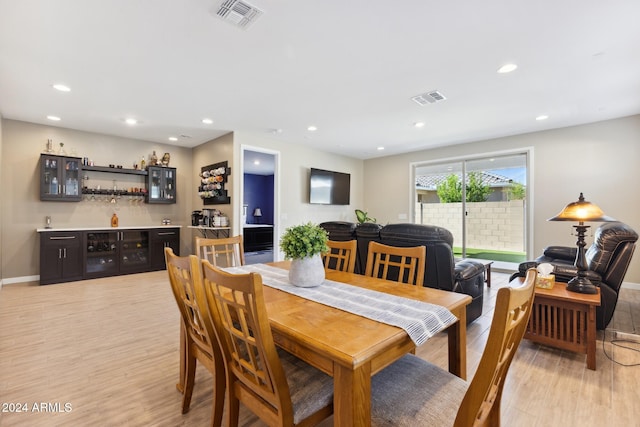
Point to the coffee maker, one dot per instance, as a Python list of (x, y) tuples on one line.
[(196, 218)]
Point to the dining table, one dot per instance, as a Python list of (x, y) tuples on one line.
[(351, 348)]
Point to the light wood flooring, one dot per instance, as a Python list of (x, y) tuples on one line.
[(108, 349)]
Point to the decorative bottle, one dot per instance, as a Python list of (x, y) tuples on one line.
[(114, 220), (54, 185), (154, 159), (143, 164)]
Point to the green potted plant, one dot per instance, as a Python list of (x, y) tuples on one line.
[(304, 244)]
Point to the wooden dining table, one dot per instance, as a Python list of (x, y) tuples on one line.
[(352, 348)]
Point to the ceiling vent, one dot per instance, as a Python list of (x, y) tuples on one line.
[(430, 97), (239, 13)]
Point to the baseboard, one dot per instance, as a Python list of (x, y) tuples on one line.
[(629, 285), (22, 279), (626, 336)]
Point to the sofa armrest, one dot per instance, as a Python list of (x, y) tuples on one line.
[(560, 253)]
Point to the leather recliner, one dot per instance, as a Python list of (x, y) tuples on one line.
[(441, 272), (607, 258)]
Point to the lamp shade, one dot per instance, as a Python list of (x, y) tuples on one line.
[(257, 212), (581, 210)]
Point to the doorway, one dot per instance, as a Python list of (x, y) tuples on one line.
[(487, 215), (259, 204)]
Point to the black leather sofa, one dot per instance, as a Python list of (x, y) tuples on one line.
[(607, 258), (441, 272)]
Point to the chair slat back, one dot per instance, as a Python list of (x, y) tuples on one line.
[(481, 403), (185, 276), (237, 307), (385, 262), (225, 252), (341, 255)]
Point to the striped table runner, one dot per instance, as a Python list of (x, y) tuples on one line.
[(420, 320)]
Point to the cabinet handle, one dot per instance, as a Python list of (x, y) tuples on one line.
[(62, 238), (168, 233), (59, 253), (65, 252)]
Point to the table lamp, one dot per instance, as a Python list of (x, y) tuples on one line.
[(581, 211), (257, 213)]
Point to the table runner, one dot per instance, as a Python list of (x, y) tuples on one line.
[(419, 319)]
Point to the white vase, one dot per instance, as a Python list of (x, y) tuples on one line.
[(307, 272)]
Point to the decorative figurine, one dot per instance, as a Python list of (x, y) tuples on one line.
[(165, 159)]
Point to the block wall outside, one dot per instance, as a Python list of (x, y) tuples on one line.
[(490, 225)]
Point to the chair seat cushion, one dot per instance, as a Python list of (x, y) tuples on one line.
[(310, 388), (435, 399)]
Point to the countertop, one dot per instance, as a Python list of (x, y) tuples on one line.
[(136, 227)]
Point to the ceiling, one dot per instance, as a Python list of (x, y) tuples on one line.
[(350, 68)]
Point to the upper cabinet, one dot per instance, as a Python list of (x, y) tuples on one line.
[(60, 178), (161, 184)]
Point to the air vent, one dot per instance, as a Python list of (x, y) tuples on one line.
[(239, 13), (430, 97)]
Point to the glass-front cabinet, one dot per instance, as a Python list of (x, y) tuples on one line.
[(60, 178), (161, 185), (110, 253)]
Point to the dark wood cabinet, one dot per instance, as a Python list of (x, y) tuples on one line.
[(258, 238), (161, 185), (160, 239), (78, 255), (60, 178), (60, 257), (109, 253)]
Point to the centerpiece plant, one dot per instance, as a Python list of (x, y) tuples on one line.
[(304, 244)]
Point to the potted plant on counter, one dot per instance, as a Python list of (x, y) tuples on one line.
[(304, 244)]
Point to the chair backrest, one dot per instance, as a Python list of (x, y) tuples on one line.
[(481, 403), (404, 265), (185, 276), (239, 314), (341, 255), (226, 252)]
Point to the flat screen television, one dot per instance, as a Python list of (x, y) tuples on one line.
[(329, 188)]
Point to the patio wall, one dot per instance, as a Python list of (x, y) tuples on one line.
[(490, 225)]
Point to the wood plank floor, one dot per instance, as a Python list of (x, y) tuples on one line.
[(108, 349)]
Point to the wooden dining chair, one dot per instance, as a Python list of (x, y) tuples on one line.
[(225, 252), (341, 255), (384, 262), (413, 392), (279, 388), (198, 341)]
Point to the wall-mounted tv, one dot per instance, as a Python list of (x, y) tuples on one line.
[(329, 188)]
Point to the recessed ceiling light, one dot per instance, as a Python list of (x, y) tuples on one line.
[(312, 128), (173, 138), (61, 87), (207, 121), (54, 118), (507, 68), (380, 148), (542, 117), (418, 124), (131, 121), (256, 162)]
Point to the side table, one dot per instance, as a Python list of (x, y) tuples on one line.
[(564, 319)]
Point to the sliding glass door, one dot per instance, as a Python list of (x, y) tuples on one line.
[(486, 215)]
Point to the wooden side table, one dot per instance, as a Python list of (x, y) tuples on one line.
[(564, 319)]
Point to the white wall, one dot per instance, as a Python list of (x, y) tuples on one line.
[(599, 159), (295, 161)]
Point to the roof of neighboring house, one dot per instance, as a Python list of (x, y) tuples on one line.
[(431, 182)]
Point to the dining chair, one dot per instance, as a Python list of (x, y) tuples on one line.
[(385, 262), (231, 249), (341, 255), (198, 343), (279, 388), (413, 392)]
